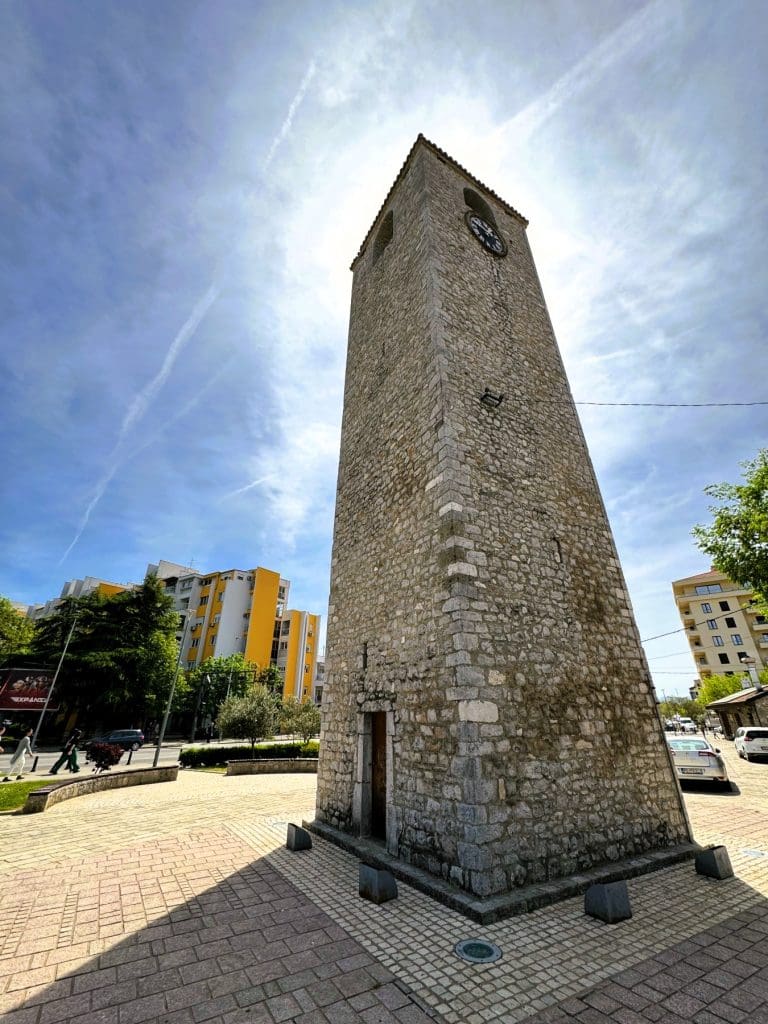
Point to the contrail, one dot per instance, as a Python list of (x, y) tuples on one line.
[(248, 487), (141, 403), (285, 127), (648, 21), (147, 395)]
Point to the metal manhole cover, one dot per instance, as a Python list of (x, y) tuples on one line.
[(476, 951)]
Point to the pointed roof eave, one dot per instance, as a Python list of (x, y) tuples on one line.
[(442, 155)]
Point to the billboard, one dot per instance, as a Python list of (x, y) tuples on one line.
[(25, 689)]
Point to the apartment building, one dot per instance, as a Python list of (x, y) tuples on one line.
[(722, 624), (245, 611), (77, 588)]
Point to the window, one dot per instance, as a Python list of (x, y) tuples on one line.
[(724, 659), (306, 668), (713, 588), (724, 606), (239, 577), (741, 655), (216, 619), (212, 639), (195, 642), (718, 641), (736, 639), (283, 645), (204, 583), (760, 620), (246, 615), (286, 627), (384, 236), (308, 649), (706, 606), (730, 622), (480, 207), (712, 623), (221, 595), (204, 600)]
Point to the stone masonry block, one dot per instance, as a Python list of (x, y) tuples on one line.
[(298, 838), (714, 863), (608, 902), (376, 885)]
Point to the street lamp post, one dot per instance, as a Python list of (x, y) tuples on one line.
[(53, 683), (167, 714)]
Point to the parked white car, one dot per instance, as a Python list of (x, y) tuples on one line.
[(686, 725), (751, 741), (697, 759)]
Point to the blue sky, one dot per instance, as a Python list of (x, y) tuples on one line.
[(183, 186)]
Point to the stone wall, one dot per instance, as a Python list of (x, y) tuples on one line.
[(476, 593), (44, 798)]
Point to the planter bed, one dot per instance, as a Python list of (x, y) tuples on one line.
[(42, 799), (272, 766)]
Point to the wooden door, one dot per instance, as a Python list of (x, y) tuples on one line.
[(379, 775)]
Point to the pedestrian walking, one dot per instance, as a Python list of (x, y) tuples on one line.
[(20, 756), (69, 753)]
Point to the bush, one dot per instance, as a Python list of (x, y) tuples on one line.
[(208, 757), (104, 755)]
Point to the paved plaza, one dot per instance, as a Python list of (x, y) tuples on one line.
[(178, 903)]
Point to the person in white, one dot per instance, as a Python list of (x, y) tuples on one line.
[(20, 756)]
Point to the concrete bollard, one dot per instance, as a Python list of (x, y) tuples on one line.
[(377, 885), (714, 863), (608, 902), (298, 838)]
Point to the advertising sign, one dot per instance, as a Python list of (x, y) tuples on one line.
[(25, 689)]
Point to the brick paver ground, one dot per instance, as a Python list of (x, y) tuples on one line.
[(179, 903)]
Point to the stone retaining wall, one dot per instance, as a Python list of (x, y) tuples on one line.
[(272, 766), (42, 799)]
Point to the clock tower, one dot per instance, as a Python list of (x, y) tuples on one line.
[(488, 714)]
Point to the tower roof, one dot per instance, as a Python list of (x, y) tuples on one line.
[(442, 155)]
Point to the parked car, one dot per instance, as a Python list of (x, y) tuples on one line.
[(698, 759), (686, 725), (128, 739), (751, 741)]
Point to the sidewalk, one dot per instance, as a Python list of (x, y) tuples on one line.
[(179, 903)]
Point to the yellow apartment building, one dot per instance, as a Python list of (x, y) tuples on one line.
[(721, 623)]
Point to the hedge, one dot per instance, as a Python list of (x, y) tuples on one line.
[(206, 757)]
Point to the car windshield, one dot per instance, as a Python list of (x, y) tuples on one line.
[(689, 744), (756, 733)]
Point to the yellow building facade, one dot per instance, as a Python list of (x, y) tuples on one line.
[(721, 624)]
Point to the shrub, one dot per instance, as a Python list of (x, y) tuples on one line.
[(104, 755), (208, 757)]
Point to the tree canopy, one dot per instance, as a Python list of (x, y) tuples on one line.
[(251, 717), (122, 654), (737, 539), (16, 631), (302, 717), (716, 687)]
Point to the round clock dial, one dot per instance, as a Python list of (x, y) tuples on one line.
[(486, 235)]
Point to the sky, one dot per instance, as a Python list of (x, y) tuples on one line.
[(183, 186)]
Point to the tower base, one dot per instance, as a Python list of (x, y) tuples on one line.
[(509, 904)]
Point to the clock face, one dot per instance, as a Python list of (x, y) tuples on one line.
[(486, 235)]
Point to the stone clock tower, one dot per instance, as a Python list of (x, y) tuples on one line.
[(488, 712)]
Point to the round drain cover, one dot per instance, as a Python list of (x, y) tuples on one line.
[(477, 951)]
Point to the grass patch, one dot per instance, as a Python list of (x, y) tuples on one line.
[(14, 794), (216, 769)]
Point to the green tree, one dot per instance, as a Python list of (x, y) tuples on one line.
[(715, 687), (737, 540), (16, 631), (122, 655), (212, 681), (271, 678), (302, 717), (680, 706), (251, 717)]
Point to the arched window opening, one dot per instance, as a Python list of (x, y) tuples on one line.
[(480, 207), (384, 236)]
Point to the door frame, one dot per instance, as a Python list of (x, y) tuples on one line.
[(361, 795)]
